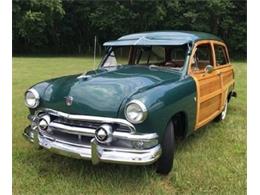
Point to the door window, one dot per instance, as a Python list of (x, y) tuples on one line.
[(221, 57), (202, 57)]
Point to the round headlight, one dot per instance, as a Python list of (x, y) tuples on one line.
[(32, 98), (135, 112)]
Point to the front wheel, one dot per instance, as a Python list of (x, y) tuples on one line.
[(165, 162)]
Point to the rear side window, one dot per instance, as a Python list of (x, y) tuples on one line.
[(221, 56)]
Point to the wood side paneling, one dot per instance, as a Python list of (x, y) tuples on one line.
[(209, 107), (227, 77), (212, 88), (209, 85), (209, 96)]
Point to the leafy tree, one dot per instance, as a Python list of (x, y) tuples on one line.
[(35, 22), (69, 26)]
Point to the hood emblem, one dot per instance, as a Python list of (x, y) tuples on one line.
[(68, 100)]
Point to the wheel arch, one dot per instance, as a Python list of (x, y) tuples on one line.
[(180, 123)]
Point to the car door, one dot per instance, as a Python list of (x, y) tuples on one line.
[(224, 68), (208, 83)]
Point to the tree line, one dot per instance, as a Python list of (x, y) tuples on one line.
[(69, 26)]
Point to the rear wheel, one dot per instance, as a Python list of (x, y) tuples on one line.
[(165, 162), (223, 114)]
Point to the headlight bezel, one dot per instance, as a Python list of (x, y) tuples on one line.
[(36, 96), (143, 108)]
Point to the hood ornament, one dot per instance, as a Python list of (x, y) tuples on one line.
[(69, 100)]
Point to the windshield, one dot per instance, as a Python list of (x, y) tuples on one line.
[(159, 56)]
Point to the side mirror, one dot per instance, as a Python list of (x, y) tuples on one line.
[(208, 69)]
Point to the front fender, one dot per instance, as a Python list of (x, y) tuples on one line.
[(163, 102)]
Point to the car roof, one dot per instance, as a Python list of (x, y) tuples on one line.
[(162, 38)]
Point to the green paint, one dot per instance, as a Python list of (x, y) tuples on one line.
[(106, 91)]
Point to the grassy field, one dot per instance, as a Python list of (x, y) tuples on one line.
[(211, 161)]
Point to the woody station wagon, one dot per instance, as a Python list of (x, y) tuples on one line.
[(149, 89)]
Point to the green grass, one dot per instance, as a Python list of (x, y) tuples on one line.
[(211, 161)]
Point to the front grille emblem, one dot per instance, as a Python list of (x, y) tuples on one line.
[(68, 100)]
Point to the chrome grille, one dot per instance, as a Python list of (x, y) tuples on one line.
[(87, 124), (78, 129), (76, 123)]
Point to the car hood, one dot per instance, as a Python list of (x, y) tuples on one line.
[(101, 92)]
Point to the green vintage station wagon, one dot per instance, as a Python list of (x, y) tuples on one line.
[(149, 89)]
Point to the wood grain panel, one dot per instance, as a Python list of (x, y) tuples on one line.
[(208, 86), (227, 77), (209, 107)]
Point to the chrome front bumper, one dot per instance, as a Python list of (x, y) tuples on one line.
[(95, 151)]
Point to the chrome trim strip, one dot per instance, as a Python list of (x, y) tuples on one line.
[(91, 132), (97, 119), (135, 137), (72, 129)]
